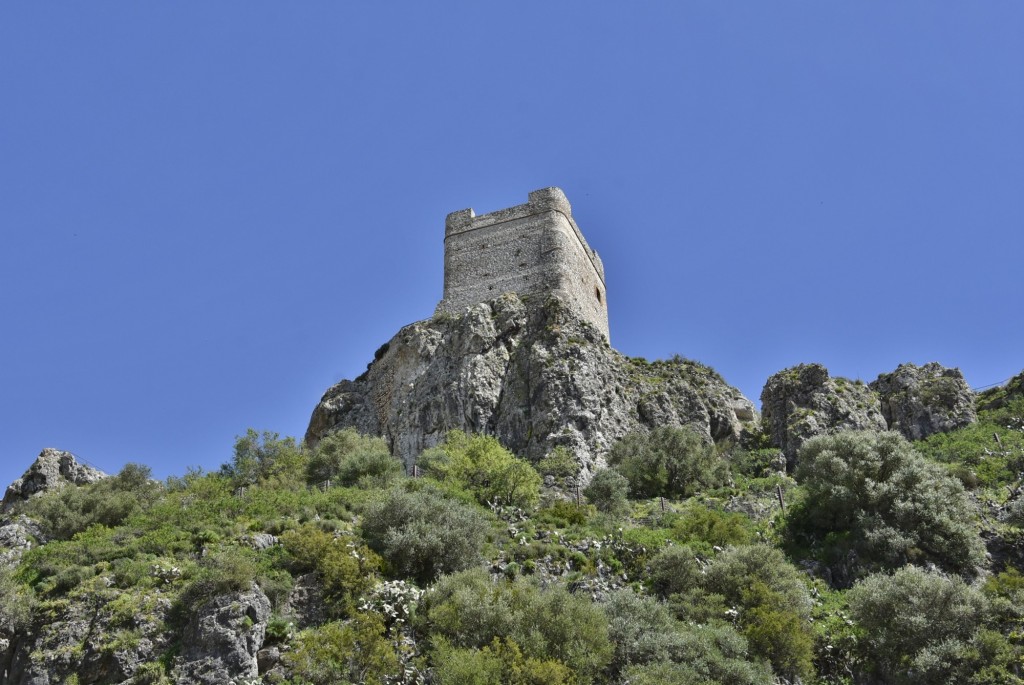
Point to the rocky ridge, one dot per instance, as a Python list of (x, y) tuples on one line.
[(52, 469), (536, 377), (804, 401), (919, 401)]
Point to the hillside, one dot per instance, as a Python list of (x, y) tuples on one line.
[(503, 498)]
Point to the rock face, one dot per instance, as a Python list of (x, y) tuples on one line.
[(51, 469), (535, 376), (223, 638), (90, 637), (803, 401), (16, 538), (918, 401)]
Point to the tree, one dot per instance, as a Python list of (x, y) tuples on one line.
[(264, 456), (872, 494), (668, 462)]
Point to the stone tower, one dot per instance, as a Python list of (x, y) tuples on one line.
[(533, 250)]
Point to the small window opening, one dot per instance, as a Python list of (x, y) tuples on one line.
[(597, 292)]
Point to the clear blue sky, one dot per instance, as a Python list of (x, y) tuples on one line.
[(210, 212)]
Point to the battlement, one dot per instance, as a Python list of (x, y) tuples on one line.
[(531, 249)]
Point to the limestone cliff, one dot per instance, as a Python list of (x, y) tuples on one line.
[(918, 401), (532, 374), (804, 401)]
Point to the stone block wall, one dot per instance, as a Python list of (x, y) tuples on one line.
[(533, 249)]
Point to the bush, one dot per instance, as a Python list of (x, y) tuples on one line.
[(650, 644), (469, 611), (608, 491), (17, 603), (560, 463), (772, 603), (348, 458), (346, 568), (873, 494), (422, 533), (705, 527), (480, 465), (499, 663), (918, 626), (668, 462), (675, 570), (356, 651)]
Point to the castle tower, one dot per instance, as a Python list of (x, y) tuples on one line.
[(534, 249)]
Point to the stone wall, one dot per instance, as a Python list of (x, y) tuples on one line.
[(534, 249)]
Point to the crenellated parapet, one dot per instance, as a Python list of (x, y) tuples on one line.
[(534, 248)]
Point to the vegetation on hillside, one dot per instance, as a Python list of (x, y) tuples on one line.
[(683, 562)]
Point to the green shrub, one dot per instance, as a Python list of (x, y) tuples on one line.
[(702, 525), (348, 458), (469, 611), (500, 663), (422, 533), (224, 570), (668, 462), (480, 465), (563, 513), (772, 603), (675, 570), (355, 651), (874, 495), (17, 602), (608, 492), (345, 567), (560, 463), (918, 626), (652, 647)]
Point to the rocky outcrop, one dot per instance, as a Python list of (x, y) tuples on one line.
[(804, 401), (52, 469), (918, 401), (92, 637), (222, 640), (535, 376), (16, 538)]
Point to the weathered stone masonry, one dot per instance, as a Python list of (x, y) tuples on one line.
[(534, 249)]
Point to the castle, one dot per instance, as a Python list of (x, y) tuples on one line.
[(530, 249)]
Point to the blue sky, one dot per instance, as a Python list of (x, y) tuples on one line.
[(210, 212)]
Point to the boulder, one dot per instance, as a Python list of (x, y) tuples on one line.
[(222, 640), (803, 401), (918, 401), (530, 373), (52, 469)]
